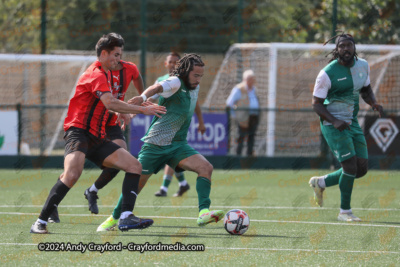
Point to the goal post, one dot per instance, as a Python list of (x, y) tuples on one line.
[(286, 74)]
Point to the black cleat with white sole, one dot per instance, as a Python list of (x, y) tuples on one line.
[(133, 222)]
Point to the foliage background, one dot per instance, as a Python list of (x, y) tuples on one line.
[(201, 26)]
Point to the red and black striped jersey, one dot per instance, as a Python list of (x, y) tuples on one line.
[(120, 80), (86, 111)]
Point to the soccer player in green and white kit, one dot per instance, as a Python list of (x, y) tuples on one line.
[(165, 141), (169, 64), (336, 101)]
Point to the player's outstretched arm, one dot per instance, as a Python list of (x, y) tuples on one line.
[(320, 109), (149, 92), (116, 105), (369, 97)]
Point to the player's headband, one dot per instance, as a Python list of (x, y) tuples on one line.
[(344, 37)]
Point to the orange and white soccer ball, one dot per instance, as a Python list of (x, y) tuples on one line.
[(236, 222)]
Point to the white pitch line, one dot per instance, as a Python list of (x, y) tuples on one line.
[(309, 250), (253, 220), (329, 223), (191, 207), (261, 249)]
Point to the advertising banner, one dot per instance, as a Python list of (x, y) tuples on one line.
[(8, 133), (213, 142), (382, 135)]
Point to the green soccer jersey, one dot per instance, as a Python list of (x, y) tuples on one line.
[(162, 78), (174, 125), (340, 87)]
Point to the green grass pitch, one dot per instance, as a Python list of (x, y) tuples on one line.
[(285, 226)]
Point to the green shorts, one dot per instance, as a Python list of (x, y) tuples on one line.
[(346, 144), (153, 158)]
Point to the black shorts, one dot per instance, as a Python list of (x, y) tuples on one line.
[(114, 132), (95, 149)]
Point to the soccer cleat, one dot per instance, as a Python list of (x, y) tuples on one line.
[(206, 216), (318, 191), (108, 225), (92, 199), (54, 217), (348, 217), (133, 222), (161, 193), (182, 190), (39, 228)]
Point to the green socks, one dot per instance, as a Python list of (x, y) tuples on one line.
[(346, 182), (203, 188), (166, 180), (180, 176), (333, 178), (117, 210)]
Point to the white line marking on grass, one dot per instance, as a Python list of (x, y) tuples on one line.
[(329, 223), (37, 214), (260, 249), (309, 250), (253, 220), (191, 207)]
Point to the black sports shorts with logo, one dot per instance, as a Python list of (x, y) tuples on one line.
[(95, 149)]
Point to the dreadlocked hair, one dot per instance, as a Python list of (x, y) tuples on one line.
[(186, 65), (335, 52)]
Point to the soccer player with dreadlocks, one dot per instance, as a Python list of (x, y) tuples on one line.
[(165, 141), (336, 101), (170, 62)]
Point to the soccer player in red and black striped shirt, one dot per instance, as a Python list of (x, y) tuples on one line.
[(121, 77), (85, 134)]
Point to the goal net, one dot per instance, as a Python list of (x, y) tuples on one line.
[(285, 76), (40, 98)]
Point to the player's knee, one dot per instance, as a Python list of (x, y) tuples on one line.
[(208, 169), (362, 170), (362, 167), (350, 166), (70, 177), (134, 167)]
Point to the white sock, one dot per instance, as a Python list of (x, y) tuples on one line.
[(93, 188), (125, 214), (183, 183), (345, 211), (164, 188), (41, 221), (321, 182)]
